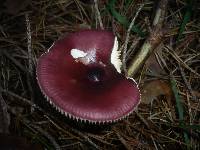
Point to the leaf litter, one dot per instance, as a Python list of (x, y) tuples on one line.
[(168, 116)]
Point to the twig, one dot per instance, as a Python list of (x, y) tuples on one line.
[(99, 139), (98, 14), (24, 100), (60, 128), (123, 141), (30, 61), (127, 38), (178, 59), (142, 119), (154, 143), (48, 136), (152, 132), (30, 57), (70, 145), (186, 83), (132, 47), (4, 115), (16, 62), (86, 138), (189, 88), (189, 108)]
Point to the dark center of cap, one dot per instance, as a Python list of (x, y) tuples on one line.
[(95, 74)]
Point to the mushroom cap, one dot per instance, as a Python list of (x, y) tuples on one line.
[(77, 77)]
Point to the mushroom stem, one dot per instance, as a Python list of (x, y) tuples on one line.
[(160, 13), (148, 47), (154, 39)]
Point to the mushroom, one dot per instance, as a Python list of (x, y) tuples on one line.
[(81, 76)]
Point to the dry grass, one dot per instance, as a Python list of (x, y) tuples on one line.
[(25, 35)]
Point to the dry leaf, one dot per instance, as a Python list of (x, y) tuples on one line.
[(152, 63), (151, 90)]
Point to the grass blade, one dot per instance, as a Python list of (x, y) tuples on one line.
[(180, 108), (186, 18), (122, 19)]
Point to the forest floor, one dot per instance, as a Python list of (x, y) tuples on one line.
[(168, 116)]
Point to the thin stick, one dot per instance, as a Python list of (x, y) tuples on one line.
[(132, 47), (48, 136), (123, 141), (189, 88), (154, 143), (127, 38), (24, 100), (4, 115), (83, 136), (178, 59), (142, 119), (62, 129), (28, 32), (30, 60), (98, 14), (14, 61), (86, 138)]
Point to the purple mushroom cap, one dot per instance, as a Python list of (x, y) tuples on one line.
[(78, 76)]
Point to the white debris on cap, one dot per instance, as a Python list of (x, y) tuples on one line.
[(85, 58), (76, 53), (115, 56)]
